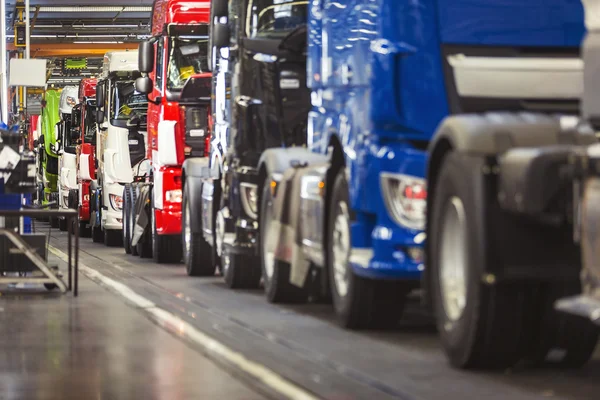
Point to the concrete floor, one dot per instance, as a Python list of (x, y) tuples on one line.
[(54, 346), (109, 350)]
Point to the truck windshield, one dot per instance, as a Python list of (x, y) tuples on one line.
[(275, 18), (187, 56), (90, 122), (126, 100)]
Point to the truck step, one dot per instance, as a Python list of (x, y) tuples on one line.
[(584, 306)]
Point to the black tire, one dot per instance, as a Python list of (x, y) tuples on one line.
[(494, 328), (144, 245), (126, 215), (97, 234), (113, 237), (276, 277), (54, 222), (562, 340), (132, 216), (197, 252), (62, 224), (241, 271), (50, 286), (166, 249), (84, 229), (362, 303)]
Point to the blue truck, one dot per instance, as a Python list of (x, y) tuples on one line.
[(346, 215)]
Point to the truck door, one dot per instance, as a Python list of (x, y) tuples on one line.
[(273, 100), (155, 110)]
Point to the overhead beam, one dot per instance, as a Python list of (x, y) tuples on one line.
[(74, 49)]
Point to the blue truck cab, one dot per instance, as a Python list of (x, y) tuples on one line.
[(348, 212)]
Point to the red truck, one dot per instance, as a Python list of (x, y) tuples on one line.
[(85, 119), (177, 126)]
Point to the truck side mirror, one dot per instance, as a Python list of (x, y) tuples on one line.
[(146, 56), (99, 116), (221, 35), (219, 8), (100, 95), (143, 85)]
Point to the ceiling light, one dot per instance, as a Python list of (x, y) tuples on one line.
[(95, 42)]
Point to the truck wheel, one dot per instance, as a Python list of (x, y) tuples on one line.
[(166, 249), (144, 246), (240, 271), (97, 234), (359, 303), (113, 237), (197, 252), (132, 217), (480, 325), (84, 230), (62, 224), (126, 215), (275, 274), (562, 340)]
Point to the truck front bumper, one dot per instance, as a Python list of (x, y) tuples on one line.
[(168, 221), (84, 201), (383, 248), (111, 218), (396, 254)]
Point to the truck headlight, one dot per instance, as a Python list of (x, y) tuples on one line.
[(116, 202), (405, 199), (173, 196), (249, 197)]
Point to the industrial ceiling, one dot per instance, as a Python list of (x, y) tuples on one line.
[(83, 28)]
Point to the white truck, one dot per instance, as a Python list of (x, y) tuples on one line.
[(120, 143), (67, 161)]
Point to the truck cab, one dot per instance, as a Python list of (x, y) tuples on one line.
[(117, 100), (504, 188), (177, 127), (48, 152), (67, 165), (261, 99), (85, 116)]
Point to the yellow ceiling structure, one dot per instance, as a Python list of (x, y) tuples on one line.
[(74, 49)]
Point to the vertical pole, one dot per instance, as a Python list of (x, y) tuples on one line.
[(3, 77), (27, 29), (27, 32)]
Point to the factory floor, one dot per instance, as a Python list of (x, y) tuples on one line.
[(96, 346), (140, 330)]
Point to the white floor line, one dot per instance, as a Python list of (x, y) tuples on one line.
[(166, 319)]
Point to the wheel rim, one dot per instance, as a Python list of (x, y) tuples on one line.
[(219, 233), (341, 249), (187, 231), (267, 243), (453, 259)]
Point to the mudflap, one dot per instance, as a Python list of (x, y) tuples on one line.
[(143, 219), (288, 248)]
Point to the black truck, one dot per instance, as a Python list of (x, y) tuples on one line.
[(260, 101)]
